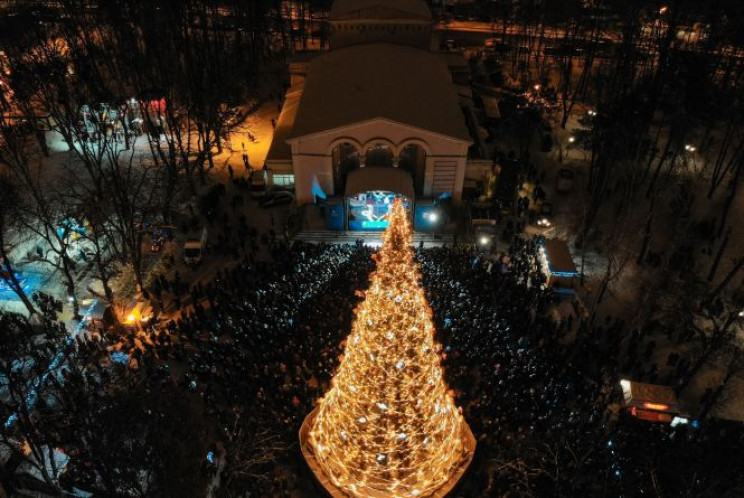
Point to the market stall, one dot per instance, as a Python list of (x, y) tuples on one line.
[(557, 263), (653, 403)]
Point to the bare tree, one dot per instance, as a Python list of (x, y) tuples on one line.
[(732, 358), (8, 270), (28, 356), (248, 451)]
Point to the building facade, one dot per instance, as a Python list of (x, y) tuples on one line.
[(379, 100)]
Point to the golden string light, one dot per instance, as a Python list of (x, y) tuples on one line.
[(389, 427)]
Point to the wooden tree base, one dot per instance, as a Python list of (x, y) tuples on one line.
[(334, 492)]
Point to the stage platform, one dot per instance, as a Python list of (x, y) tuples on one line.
[(369, 238)]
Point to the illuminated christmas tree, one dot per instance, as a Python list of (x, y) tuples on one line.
[(389, 427)]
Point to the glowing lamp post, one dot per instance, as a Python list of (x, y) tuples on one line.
[(434, 218)]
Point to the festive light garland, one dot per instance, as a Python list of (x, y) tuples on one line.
[(389, 427)]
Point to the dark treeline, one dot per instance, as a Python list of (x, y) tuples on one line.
[(664, 142), (143, 95)]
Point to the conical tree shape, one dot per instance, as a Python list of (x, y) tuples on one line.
[(388, 426)]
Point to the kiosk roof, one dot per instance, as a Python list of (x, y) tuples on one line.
[(559, 257)]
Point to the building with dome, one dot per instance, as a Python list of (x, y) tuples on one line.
[(376, 117)]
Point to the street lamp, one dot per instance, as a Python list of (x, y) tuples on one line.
[(433, 217), (484, 240)]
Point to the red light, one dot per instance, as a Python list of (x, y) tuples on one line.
[(656, 406)]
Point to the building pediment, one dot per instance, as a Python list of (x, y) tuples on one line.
[(380, 127)]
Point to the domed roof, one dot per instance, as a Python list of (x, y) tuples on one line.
[(379, 9)]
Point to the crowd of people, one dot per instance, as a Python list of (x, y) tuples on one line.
[(260, 343), (519, 387), (266, 337), (263, 340)]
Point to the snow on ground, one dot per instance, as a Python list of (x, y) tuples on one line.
[(623, 298)]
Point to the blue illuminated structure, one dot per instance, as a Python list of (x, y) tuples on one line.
[(54, 365), (318, 192), (30, 283), (120, 357), (374, 225), (565, 274), (422, 215), (557, 261), (369, 211), (335, 214)]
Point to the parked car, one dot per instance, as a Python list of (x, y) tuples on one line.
[(484, 231), (279, 198), (257, 184), (545, 216), (193, 248)]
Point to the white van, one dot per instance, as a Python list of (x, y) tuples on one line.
[(193, 248)]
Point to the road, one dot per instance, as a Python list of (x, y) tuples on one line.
[(472, 34)]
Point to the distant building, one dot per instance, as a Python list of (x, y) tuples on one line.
[(403, 22), (10, 5), (379, 106)]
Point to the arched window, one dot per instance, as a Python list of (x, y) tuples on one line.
[(412, 158), (379, 155), (345, 159)]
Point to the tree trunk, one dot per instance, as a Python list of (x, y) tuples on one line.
[(727, 279), (658, 167), (730, 198), (70, 285), (647, 232), (7, 274), (719, 255), (731, 370)]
